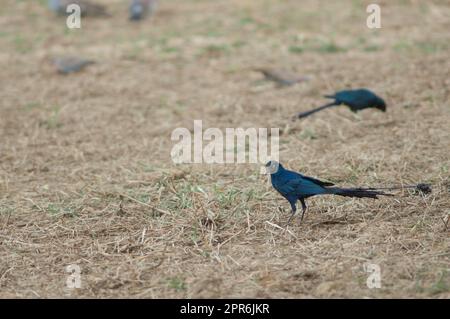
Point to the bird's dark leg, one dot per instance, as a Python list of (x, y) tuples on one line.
[(304, 207), (294, 209)]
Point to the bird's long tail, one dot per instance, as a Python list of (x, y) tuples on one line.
[(421, 187), (358, 192), (307, 113)]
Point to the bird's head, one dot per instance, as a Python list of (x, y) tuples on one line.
[(375, 101), (272, 167), (381, 105)]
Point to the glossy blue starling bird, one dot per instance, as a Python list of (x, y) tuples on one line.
[(66, 65), (356, 100), (140, 9), (297, 187)]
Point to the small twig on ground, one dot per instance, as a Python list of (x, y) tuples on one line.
[(121, 210), (7, 221), (445, 222), (283, 229), (34, 204), (145, 204)]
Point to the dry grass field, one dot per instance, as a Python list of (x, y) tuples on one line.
[(86, 175)]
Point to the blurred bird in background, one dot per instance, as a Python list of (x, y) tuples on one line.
[(281, 78), (294, 186), (66, 65), (140, 9), (87, 8), (356, 100)]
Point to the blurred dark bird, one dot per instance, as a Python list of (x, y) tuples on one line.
[(66, 65), (356, 100), (87, 8), (281, 78), (140, 9), (294, 186)]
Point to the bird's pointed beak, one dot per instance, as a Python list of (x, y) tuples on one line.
[(264, 170)]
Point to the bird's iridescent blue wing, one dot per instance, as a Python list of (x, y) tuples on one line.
[(318, 182), (302, 187)]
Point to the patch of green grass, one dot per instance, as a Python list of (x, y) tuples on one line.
[(238, 44), (430, 48), (170, 49), (4, 210), (402, 46), (297, 49), (361, 279), (329, 47), (52, 122), (228, 197), (21, 45), (53, 209), (56, 209), (424, 47), (214, 34), (418, 287), (371, 48), (250, 194), (442, 285), (32, 105), (182, 199), (144, 197), (195, 237), (176, 283), (246, 20), (216, 49), (147, 167), (317, 45), (308, 134)]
